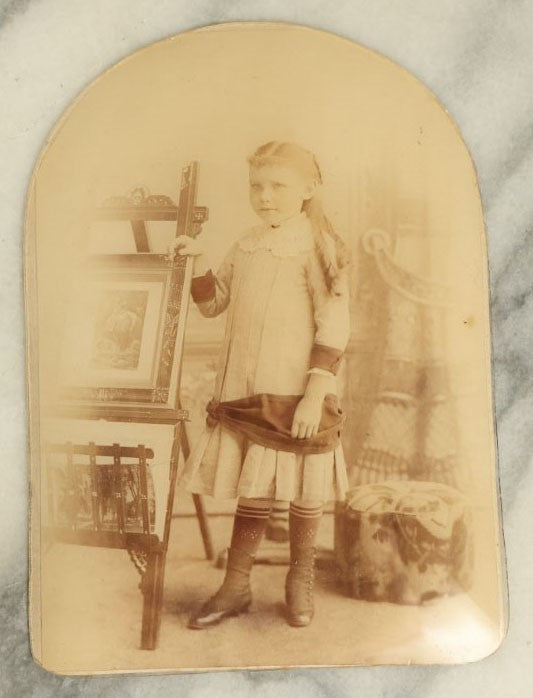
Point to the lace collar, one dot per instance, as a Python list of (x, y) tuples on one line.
[(287, 240)]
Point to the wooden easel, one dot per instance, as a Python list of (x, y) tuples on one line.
[(147, 550), (138, 208)]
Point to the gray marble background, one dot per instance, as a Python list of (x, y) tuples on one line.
[(477, 57)]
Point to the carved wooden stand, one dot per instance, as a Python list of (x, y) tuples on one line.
[(84, 524)]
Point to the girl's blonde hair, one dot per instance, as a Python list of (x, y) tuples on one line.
[(333, 261)]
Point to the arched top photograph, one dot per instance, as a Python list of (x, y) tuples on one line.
[(259, 366)]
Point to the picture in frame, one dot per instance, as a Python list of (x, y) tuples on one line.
[(124, 337)]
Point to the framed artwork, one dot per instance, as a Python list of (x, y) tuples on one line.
[(123, 338)]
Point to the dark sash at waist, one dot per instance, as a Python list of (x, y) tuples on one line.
[(267, 420)]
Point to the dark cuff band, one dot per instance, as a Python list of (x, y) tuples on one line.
[(203, 287), (327, 358)]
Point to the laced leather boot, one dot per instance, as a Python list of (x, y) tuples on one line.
[(233, 597), (299, 586)]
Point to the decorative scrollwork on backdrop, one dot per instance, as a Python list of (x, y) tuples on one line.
[(377, 242)]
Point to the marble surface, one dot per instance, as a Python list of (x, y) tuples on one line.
[(477, 57)]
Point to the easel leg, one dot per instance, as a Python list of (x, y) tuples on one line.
[(198, 503), (204, 527), (152, 589)]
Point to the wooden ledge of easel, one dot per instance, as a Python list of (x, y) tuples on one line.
[(112, 413), (147, 213)]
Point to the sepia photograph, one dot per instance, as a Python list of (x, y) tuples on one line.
[(259, 368)]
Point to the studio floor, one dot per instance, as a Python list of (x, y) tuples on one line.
[(92, 615)]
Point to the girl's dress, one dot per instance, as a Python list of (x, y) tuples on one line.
[(281, 323)]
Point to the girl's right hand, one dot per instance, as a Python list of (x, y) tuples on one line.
[(185, 246)]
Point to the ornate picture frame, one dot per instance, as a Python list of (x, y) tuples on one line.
[(124, 339)]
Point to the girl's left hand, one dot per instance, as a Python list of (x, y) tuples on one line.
[(306, 417)]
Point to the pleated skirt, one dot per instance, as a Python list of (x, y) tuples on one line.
[(227, 465)]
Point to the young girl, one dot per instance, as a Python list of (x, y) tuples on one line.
[(273, 425)]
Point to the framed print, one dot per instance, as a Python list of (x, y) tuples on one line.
[(324, 415), (124, 335)]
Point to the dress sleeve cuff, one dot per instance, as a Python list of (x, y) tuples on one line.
[(203, 287), (326, 358), (321, 372)]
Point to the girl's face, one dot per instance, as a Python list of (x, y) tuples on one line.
[(277, 192)]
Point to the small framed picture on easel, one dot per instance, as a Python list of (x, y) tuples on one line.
[(124, 337)]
